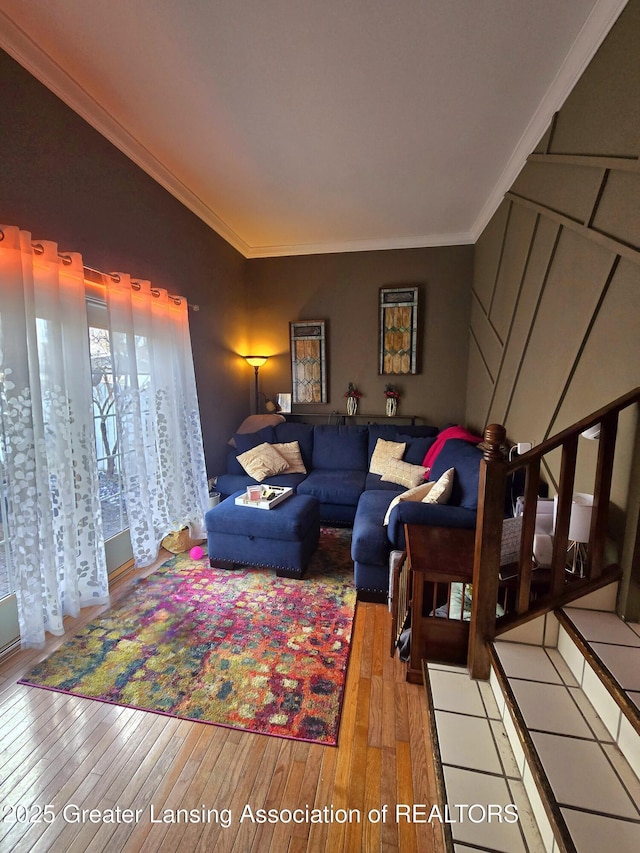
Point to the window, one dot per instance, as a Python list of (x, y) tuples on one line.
[(113, 504), (109, 459)]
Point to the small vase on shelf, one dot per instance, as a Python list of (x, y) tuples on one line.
[(352, 395), (392, 394)]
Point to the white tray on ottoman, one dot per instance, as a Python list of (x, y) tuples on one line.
[(271, 496)]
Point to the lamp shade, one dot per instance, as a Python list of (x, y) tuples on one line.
[(256, 360), (580, 518)]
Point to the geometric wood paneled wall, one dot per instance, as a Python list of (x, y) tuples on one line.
[(555, 322), (555, 325)]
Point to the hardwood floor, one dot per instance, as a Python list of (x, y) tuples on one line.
[(61, 755)]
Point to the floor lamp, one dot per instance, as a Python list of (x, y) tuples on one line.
[(256, 361)]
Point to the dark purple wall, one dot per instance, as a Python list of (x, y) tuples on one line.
[(61, 180)]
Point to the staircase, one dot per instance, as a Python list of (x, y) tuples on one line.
[(533, 598), (555, 731)]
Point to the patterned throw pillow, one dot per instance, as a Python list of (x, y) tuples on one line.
[(291, 453), (403, 473), (383, 453), (262, 461)]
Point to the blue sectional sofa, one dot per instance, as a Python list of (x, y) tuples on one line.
[(337, 460)]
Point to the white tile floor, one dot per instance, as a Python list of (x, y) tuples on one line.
[(479, 766), (583, 754), (580, 748), (615, 644)]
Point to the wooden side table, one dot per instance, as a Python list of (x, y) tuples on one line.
[(435, 557)]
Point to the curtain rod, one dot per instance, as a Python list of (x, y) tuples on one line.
[(136, 286), (38, 248)]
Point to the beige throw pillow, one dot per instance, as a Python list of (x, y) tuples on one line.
[(403, 473), (262, 461), (441, 489), (291, 453), (385, 451), (437, 492), (415, 494)]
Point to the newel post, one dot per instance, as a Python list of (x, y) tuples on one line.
[(486, 564)]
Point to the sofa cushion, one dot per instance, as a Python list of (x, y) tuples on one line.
[(302, 433), (247, 441), (383, 452), (340, 448), (331, 487), (263, 461), (403, 473), (233, 466), (417, 447), (437, 492), (291, 453), (465, 458), (375, 481)]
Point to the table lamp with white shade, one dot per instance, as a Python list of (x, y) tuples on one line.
[(579, 531)]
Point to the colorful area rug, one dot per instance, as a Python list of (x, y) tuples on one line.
[(242, 648)]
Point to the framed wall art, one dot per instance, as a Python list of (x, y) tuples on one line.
[(308, 361), (398, 330)]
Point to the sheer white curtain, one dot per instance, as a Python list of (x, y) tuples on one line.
[(157, 407), (47, 442)]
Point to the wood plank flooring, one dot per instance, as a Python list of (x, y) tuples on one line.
[(131, 771)]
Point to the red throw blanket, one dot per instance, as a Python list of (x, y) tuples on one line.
[(438, 444)]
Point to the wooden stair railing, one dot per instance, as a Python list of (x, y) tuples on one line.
[(562, 588)]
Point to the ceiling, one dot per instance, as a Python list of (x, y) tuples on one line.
[(299, 126)]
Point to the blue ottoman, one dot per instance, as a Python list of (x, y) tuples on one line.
[(282, 538)]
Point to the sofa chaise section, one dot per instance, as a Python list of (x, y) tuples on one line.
[(373, 541)]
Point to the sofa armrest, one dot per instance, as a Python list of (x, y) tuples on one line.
[(435, 515)]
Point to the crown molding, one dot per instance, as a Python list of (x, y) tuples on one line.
[(594, 31), (25, 51), (429, 241)]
